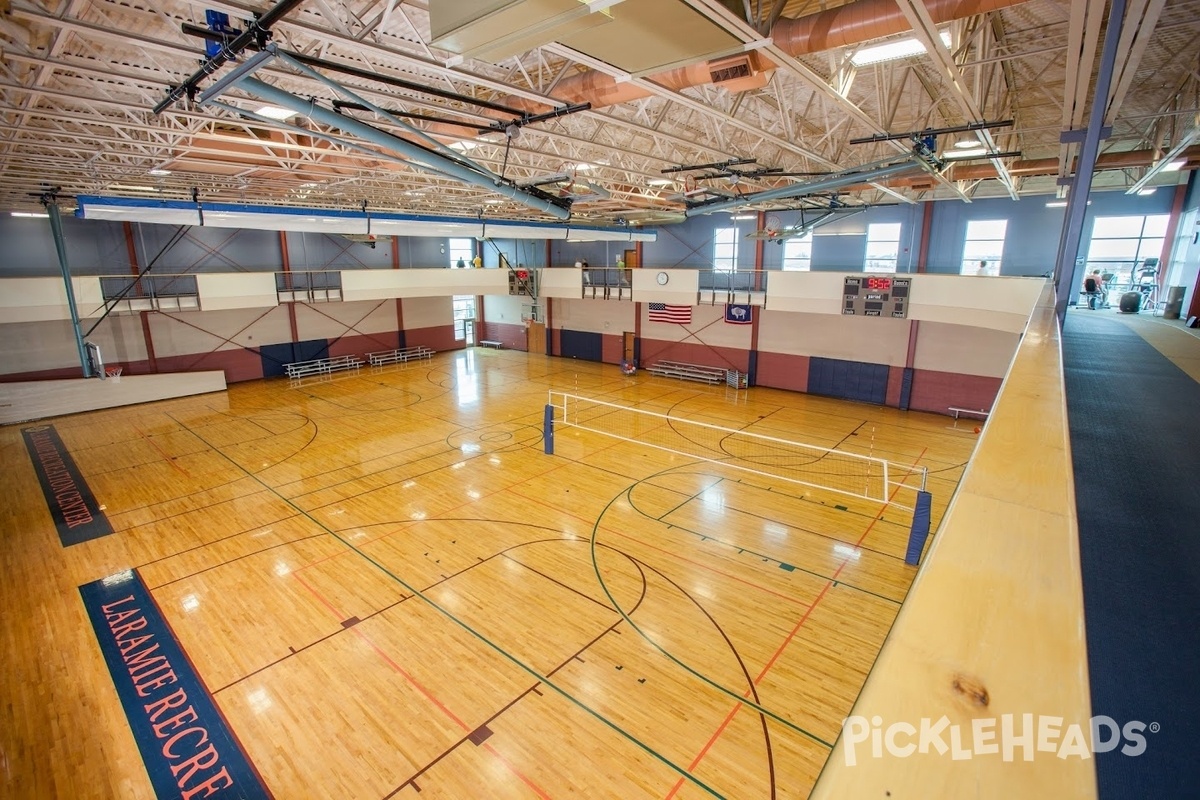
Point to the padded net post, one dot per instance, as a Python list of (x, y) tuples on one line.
[(548, 429), (920, 528)]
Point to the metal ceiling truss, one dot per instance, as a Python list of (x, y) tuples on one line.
[(72, 92)]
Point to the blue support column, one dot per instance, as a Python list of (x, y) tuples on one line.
[(60, 245), (548, 430), (1081, 185)]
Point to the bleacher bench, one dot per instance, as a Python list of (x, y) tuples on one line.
[(399, 356), (491, 343), (321, 366), (687, 372)]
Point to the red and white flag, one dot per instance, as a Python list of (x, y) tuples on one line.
[(663, 312)]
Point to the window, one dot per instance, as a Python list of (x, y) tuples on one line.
[(464, 309), (984, 242), (725, 247), (883, 247), (461, 248), (1120, 245), (797, 253)]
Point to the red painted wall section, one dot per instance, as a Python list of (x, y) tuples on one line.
[(510, 335), (239, 365), (612, 348), (783, 371), (439, 338), (938, 391), (555, 341), (360, 345), (895, 381), (654, 350)]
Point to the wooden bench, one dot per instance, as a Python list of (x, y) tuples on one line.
[(321, 366), (399, 356), (687, 372), (974, 412), (491, 343)]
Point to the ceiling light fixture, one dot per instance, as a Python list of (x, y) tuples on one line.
[(965, 143), (158, 173), (660, 182), (28, 214), (1174, 166), (1147, 192), (275, 112), (891, 51), (743, 216), (133, 188), (973, 153)]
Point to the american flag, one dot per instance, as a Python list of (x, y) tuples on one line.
[(662, 312)]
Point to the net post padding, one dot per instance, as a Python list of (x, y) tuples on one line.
[(920, 528), (548, 430)]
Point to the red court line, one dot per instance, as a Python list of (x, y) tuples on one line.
[(540, 791), (729, 717), (162, 452), (420, 687)]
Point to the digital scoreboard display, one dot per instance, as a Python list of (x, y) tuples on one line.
[(871, 296)]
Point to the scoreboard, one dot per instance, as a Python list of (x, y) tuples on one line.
[(870, 296)]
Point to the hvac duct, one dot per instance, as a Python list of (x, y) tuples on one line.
[(1049, 166), (863, 175), (419, 157), (850, 24)]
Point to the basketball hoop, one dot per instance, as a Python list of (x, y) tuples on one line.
[(114, 373), (772, 224)]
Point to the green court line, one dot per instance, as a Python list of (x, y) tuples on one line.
[(732, 694), (513, 659)]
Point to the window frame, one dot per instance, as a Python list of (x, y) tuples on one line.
[(870, 264), (725, 263), (460, 245), (800, 263), (969, 264)]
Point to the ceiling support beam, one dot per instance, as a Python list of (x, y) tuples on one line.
[(926, 32), (419, 156), (1081, 186)]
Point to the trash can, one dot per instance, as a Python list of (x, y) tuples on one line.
[(1174, 302)]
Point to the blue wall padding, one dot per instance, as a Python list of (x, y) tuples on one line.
[(850, 380), (581, 344)]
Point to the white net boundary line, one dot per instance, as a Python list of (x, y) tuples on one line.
[(885, 467)]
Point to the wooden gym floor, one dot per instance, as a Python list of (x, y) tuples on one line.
[(391, 591)]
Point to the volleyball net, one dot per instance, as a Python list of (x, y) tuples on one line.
[(851, 474)]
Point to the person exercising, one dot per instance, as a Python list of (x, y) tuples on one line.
[(1093, 286)]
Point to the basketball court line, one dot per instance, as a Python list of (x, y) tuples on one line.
[(689, 531), (791, 525), (216, 450), (421, 688), (682, 469), (533, 688), (716, 735), (696, 673), (497, 648)]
